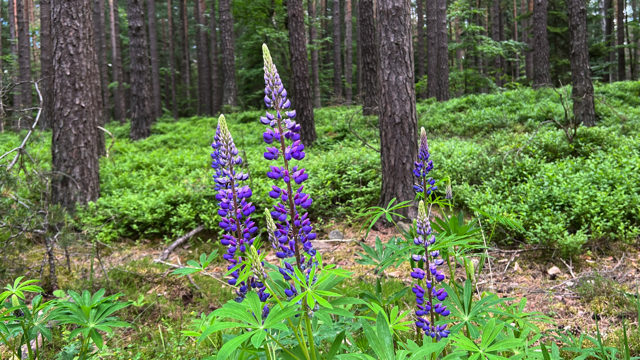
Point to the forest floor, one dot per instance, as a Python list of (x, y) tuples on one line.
[(601, 283)]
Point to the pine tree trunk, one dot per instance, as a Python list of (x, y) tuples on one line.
[(97, 27), (172, 62), (337, 57), (300, 80), (370, 81), (216, 90), (443, 53), (315, 69), (12, 27), (46, 62), (348, 52), (167, 75), (24, 57), (203, 58), (119, 111), (541, 75), (142, 105), (101, 52), (358, 54), (528, 58), (398, 118), (495, 35), (613, 42), (420, 44), (76, 96), (432, 49), (515, 37), (230, 89), (608, 39), (582, 93), (186, 61), (636, 40), (155, 59), (622, 66)]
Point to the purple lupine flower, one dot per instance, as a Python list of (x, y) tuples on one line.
[(234, 208), (290, 230), (422, 167), (428, 308)]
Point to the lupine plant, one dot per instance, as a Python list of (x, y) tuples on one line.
[(290, 310)]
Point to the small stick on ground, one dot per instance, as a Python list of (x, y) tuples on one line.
[(178, 242)]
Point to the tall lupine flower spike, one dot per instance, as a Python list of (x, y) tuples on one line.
[(422, 168), (234, 208), (292, 232), (428, 308)]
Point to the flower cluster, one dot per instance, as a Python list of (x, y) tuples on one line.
[(234, 208), (422, 168), (290, 230), (428, 309)]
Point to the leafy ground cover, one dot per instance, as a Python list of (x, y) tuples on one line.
[(499, 152)]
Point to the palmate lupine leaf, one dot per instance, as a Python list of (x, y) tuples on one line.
[(18, 289)]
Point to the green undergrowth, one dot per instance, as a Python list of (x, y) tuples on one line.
[(500, 156)]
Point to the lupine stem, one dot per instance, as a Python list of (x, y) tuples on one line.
[(281, 346), (310, 334)]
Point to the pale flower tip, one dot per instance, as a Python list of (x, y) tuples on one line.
[(423, 132)]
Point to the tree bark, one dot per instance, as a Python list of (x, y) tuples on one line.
[(186, 62), (101, 52), (46, 63), (622, 66), (337, 57), (528, 58), (12, 27), (370, 86), (541, 75), (495, 35), (358, 54), (167, 75), (398, 118), (443, 53), (348, 52), (300, 68), (24, 56), (155, 59), (432, 49), (420, 44), (119, 111), (515, 37), (203, 52), (582, 93), (315, 68), (612, 41), (636, 40), (216, 90), (142, 105), (76, 96), (172, 62), (230, 92)]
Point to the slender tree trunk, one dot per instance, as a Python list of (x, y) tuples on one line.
[(629, 51), (443, 53), (76, 96), (230, 94), (370, 84), (515, 37), (528, 59), (613, 42), (12, 27), (186, 62), (46, 61), (1, 53), (495, 35), (608, 39), (432, 49), (24, 56), (199, 65), (541, 75), (582, 93), (203, 58), (172, 62), (636, 40), (167, 75), (98, 27), (101, 52), (142, 105), (420, 44), (358, 53), (116, 59), (337, 58), (215, 61), (348, 52), (398, 118), (155, 59), (300, 67), (622, 66), (315, 69)]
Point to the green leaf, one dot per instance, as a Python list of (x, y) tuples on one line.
[(335, 347), (384, 335), (258, 338), (231, 345), (97, 338)]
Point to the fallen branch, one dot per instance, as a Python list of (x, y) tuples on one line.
[(178, 242)]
